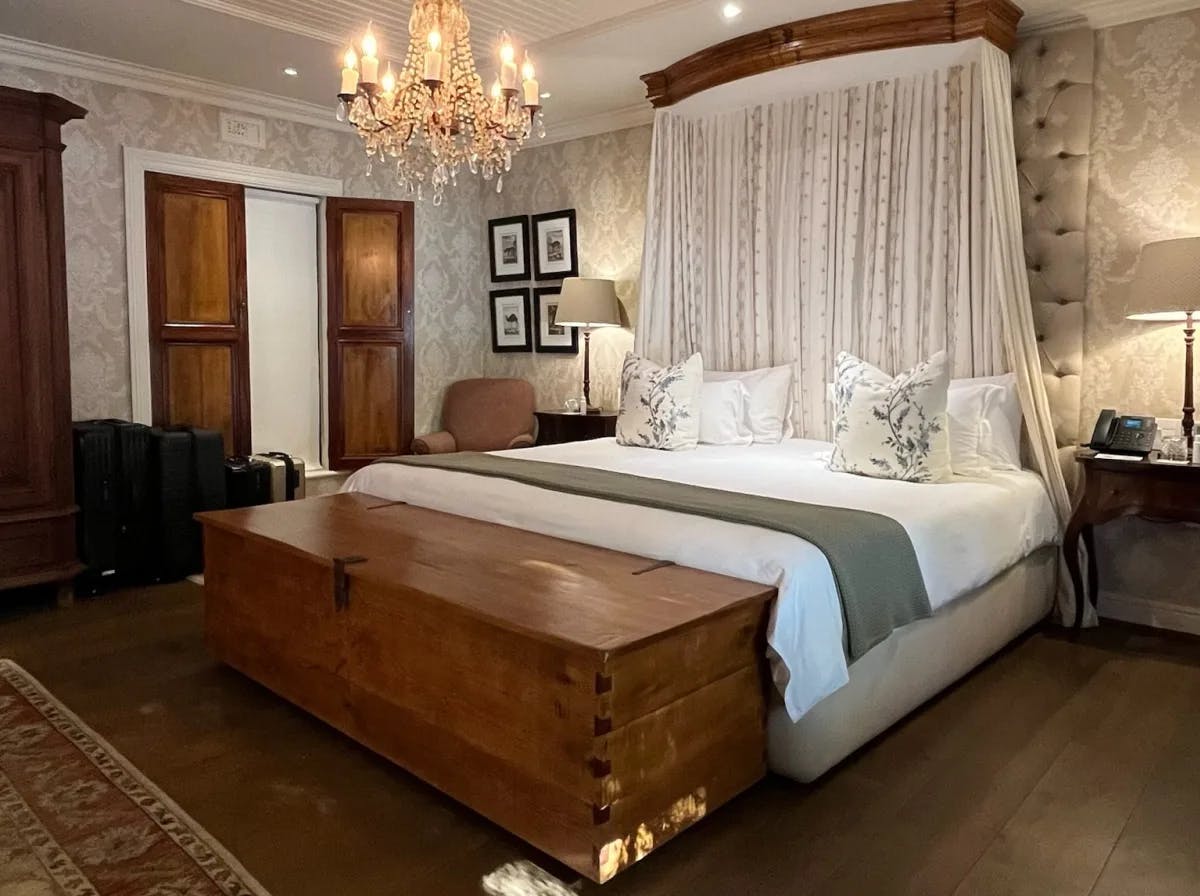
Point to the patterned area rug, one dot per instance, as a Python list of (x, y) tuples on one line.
[(76, 819)]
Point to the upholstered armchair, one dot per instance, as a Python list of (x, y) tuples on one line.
[(483, 415)]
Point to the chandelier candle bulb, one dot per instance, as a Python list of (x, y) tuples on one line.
[(370, 61), (532, 88), (433, 58), (508, 64), (389, 81), (350, 74)]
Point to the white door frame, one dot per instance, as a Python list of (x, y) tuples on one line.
[(137, 163)]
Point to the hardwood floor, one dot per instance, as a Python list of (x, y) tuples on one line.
[(1060, 767)]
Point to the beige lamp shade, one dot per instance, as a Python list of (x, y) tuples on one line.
[(1166, 286), (585, 302)]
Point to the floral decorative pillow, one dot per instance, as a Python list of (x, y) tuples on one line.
[(892, 427), (660, 406)]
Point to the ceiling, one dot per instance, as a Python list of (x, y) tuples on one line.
[(590, 54), (336, 20)]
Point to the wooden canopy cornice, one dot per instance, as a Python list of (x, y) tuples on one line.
[(889, 26)]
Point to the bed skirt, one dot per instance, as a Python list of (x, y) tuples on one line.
[(917, 662)]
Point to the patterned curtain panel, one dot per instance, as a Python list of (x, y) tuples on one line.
[(880, 219), (847, 220), (1009, 281)]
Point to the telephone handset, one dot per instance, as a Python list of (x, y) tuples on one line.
[(1123, 435)]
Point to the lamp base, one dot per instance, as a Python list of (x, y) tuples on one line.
[(1189, 404)]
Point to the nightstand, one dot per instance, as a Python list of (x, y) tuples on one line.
[(1115, 488), (557, 427)]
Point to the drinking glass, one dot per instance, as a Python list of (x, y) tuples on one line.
[(1174, 448)]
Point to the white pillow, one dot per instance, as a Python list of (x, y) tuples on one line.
[(1000, 441), (725, 414), (967, 408), (892, 427), (770, 405), (660, 406)]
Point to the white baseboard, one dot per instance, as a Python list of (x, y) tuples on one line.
[(1157, 614)]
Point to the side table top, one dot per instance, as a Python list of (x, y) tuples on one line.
[(563, 412), (1152, 463)]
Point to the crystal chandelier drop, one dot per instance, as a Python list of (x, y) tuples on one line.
[(432, 116)]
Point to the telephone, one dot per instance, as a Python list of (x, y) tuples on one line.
[(1123, 435)]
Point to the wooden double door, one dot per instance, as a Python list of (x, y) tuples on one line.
[(199, 318)]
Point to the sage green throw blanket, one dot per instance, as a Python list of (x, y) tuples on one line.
[(872, 557)]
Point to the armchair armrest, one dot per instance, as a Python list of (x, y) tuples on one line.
[(522, 441), (435, 443)]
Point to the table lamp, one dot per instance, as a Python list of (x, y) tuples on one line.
[(588, 304), (1166, 288)]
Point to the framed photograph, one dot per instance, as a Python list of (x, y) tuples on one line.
[(552, 336), (555, 254), (508, 241), (511, 330)]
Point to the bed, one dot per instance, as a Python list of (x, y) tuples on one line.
[(984, 547)]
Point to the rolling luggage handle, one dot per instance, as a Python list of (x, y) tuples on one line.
[(293, 474), (287, 475)]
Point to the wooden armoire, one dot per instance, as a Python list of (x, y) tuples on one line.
[(37, 503)]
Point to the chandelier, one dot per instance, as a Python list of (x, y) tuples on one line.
[(432, 116)]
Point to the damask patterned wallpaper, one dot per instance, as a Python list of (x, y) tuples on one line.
[(450, 260), (1145, 186), (604, 179)]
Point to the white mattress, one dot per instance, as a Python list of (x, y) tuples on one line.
[(964, 532)]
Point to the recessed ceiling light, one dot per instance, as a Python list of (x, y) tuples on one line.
[(291, 72), (731, 10), (545, 96)]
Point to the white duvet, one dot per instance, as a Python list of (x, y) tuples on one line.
[(965, 532)]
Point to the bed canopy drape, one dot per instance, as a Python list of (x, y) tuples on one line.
[(866, 204)]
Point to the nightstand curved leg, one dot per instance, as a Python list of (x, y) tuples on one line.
[(1089, 542), (1071, 555)]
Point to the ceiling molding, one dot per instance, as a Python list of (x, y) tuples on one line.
[(74, 64), (1104, 14), (1107, 13), (1051, 21), (601, 123)]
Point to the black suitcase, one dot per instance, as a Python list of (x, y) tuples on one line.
[(97, 523), (247, 482), (135, 511), (208, 469), (176, 542)]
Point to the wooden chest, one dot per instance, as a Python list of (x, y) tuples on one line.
[(591, 702)]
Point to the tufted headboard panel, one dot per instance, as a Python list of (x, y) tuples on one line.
[(1052, 119)]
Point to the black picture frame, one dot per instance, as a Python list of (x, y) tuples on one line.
[(550, 268), (503, 270), (501, 342), (540, 344)]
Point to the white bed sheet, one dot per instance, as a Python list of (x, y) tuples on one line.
[(964, 532)]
